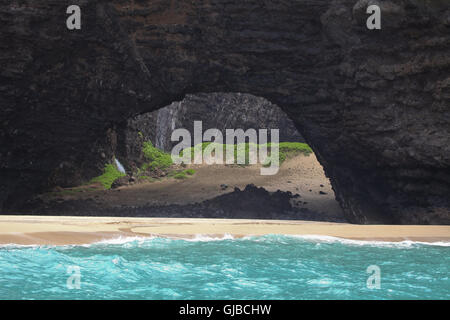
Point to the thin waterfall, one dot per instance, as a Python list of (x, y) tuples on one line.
[(119, 166)]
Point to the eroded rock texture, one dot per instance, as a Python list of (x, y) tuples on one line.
[(215, 111), (374, 105)]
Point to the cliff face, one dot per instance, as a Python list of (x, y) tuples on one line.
[(374, 105), (215, 110)]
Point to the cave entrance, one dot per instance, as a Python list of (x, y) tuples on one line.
[(140, 178), (299, 190)]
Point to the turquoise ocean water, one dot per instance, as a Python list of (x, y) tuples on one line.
[(268, 267)]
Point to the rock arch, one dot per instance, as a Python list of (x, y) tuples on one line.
[(374, 105)]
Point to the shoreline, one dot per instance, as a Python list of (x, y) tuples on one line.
[(300, 191), (66, 230)]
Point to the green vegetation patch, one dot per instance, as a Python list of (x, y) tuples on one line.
[(180, 175), (288, 150), (241, 149), (157, 159), (110, 174), (285, 150), (292, 149)]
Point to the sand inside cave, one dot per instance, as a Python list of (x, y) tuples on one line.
[(300, 175)]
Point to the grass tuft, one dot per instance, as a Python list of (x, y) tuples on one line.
[(180, 175), (157, 159), (110, 174)]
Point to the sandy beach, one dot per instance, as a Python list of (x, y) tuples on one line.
[(29, 230), (300, 174)]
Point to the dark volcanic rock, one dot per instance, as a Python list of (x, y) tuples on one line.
[(250, 203), (374, 105), (122, 181)]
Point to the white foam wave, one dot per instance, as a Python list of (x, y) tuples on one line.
[(206, 238), (15, 245), (274, 237), (122, 240), (404, 243), (196, 238), (311, 237)]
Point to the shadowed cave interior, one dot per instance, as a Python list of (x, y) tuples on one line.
[(140, 179)]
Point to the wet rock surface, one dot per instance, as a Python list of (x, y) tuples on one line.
[(374, 105)]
